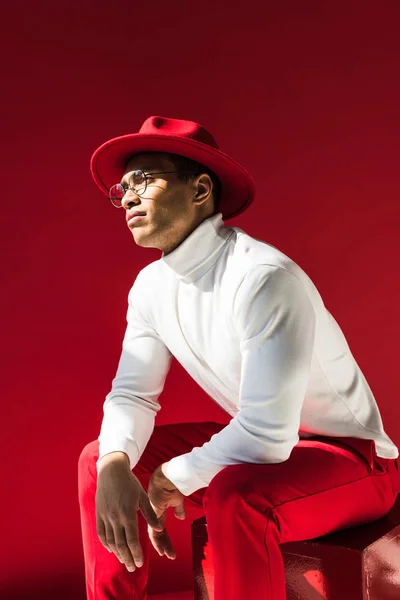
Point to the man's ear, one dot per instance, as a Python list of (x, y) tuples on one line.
[(203, 188)]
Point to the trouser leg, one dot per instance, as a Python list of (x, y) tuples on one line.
[(251, 509), (107, 578)]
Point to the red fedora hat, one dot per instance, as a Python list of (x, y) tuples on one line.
[(177, 136)]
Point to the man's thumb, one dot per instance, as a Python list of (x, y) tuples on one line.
[(180, 512)]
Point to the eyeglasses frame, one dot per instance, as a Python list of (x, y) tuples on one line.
[(145, 173)]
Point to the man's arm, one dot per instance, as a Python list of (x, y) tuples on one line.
[(132, 404), (275, 323)]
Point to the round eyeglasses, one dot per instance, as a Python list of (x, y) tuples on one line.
[(137, 182)]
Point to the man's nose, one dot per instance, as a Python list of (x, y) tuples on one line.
[(130, 199)]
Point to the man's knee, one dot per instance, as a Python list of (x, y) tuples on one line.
[(87, 472), (236, 486), (89, 453), (227, 487)]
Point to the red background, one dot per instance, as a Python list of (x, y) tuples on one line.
[(305, 95)]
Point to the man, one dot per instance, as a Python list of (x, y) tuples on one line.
[(305, 452)]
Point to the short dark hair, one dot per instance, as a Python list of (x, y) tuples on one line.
[(183, 165)]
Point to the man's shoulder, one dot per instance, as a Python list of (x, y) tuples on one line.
[(249, 252), (145, 281), (258, 261), (150, 274)]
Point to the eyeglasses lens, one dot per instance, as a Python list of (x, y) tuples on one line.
[(137, 183)]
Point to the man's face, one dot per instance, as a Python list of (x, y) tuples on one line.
[(169, 211)]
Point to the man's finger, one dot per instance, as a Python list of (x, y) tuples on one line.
[(130, 559), (101, 532), (180, 512), (110, 538), (149, 514), (167, 544), (133, 543), (156, 541), (162, 543)]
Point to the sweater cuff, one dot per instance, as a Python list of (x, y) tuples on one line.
[(180, 471), (127, 446)]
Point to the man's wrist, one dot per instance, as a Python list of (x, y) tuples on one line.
[(162, 479)]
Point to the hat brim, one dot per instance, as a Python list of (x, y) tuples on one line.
[(237, 186)]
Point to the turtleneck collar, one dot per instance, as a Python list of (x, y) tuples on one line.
[(200, 250)]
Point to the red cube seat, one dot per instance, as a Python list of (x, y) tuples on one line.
[(358, 563)]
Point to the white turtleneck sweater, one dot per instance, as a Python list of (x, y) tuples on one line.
[(249, 325)]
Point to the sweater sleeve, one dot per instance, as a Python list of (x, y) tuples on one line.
[(275, 324), (132, 404)]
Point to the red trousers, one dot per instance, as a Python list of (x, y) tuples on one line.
[(325, 485)]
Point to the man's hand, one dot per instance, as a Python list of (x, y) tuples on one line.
[(119, 496), (164, 494)]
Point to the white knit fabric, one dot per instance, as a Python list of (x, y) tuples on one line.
[(249, 325)]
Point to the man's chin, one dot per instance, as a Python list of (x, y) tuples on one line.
[(141, 239)]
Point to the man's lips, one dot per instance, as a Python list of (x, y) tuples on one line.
[(134, 216)]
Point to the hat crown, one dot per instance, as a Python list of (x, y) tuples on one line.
[(178, 128), (181, 137)]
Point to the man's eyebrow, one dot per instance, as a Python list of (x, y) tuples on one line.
[(145, 169)]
